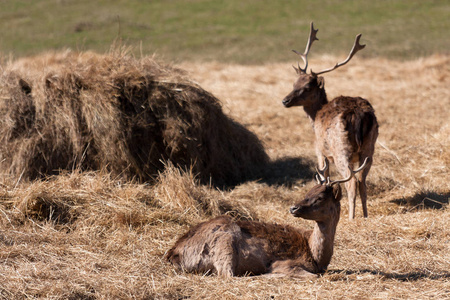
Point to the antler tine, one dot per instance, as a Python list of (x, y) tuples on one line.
[(320, 176), (304, 56), (356, 47), (319, 179), (362, 166), (352, 173)]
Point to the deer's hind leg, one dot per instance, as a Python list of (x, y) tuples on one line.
[(321, 161), (342, 165), (351, 187), (363, 186)]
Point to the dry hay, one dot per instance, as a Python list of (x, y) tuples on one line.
[(87, 221), (65, 111), (90, 199)]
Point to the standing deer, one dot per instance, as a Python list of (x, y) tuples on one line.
[(345, 129), (235, 248)]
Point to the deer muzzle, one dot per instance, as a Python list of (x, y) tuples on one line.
[(287, 101), (295, 210)]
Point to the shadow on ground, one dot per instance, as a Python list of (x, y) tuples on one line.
[(424, 200), (411, 276), (288, 171)]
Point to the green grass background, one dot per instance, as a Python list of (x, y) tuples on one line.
[(248, 32)]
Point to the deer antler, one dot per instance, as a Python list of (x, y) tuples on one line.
[(352, 173), (320, 176), (356, 47), (304, 56)]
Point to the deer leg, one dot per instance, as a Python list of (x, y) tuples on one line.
[(289, 268), (321, 162), (225, 256), (351, 194), (303, 274), (342, 165), (225, 270), (363, 187)]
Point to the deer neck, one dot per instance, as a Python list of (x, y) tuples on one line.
[(321, 241), (313, 107)]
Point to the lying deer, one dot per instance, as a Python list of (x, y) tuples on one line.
[(346, 128), (235, 248)]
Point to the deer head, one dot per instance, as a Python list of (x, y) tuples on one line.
[(308, 88), (323, 198)]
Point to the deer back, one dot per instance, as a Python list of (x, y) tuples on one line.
[(352, 117)]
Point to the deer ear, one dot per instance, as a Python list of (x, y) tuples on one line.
[(321, 82), (337, 192)]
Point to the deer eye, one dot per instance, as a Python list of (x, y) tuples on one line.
[(320, 198), (300, 92), (315, 201)]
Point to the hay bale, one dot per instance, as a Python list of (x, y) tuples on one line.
[(65, 111)]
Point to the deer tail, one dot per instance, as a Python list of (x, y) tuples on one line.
[(364, 125)]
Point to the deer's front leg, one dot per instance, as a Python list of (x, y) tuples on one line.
[(291, 268)]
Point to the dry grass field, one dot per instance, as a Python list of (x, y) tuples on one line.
[(90, 235)]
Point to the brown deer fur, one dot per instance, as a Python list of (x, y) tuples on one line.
[(231, 247), (345, 129)]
